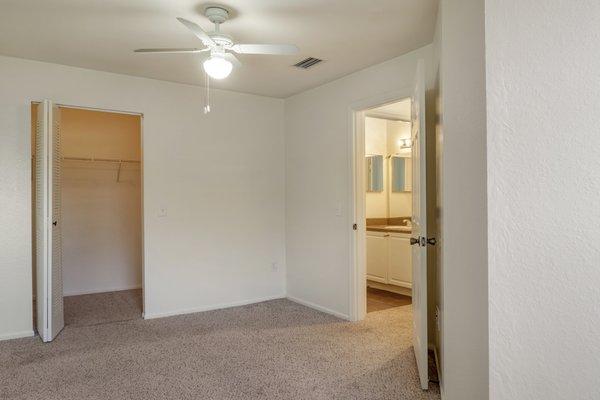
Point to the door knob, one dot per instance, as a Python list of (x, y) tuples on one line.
[(54, 223), (414, 241)]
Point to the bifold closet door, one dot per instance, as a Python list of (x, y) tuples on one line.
[(48, 252)]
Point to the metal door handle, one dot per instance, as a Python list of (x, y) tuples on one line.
[(54, 223), (414, 241)]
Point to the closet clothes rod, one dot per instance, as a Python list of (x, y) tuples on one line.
[(100, 159)]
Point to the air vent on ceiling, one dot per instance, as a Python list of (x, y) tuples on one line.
[(307, 62)]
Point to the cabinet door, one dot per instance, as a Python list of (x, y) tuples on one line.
[(377, 257), (400, 272)]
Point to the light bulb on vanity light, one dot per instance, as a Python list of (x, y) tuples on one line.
[(405, 143), (217, 67)]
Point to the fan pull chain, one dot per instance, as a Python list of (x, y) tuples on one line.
[(207, 97)]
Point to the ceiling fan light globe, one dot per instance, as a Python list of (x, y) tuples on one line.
[(217, 67)]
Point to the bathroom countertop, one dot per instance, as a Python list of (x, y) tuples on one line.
[(389, 228)]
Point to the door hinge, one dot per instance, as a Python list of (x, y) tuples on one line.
[(432, 241), (354, 227)]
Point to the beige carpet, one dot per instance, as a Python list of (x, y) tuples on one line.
[(100, 308), (271, 350)]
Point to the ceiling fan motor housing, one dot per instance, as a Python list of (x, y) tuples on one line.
[(216, 15)]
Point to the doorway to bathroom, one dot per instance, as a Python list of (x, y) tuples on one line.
[(388, 205), (87, 217), (389, 196)]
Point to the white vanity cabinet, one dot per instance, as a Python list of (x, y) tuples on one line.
[(389, 258), (377, 256), (400, 269)]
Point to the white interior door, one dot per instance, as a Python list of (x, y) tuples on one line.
[(419, 225), (50, 316)]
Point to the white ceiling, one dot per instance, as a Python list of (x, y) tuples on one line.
[(399, 110), (101, 34)]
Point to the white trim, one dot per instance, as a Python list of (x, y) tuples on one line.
[(318, 307), (405, 291), (16, 335), (211, 307), (103, 290), (358, 273), (437, 367)]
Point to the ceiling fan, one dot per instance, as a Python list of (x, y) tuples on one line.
[(219, 46)]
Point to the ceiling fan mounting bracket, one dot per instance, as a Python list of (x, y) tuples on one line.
[(216, 14)]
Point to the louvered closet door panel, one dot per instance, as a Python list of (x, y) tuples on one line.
[(56, 281), (41, 218)]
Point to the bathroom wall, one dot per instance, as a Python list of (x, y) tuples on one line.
[(400, 202), (376, 144), (382, 138)]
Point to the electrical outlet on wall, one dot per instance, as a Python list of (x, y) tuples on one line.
[(274, 267), (162, 211)]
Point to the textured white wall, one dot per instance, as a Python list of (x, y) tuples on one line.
[(318, 178), (543, 85), (220, 176)]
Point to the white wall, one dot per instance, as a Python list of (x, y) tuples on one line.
[(101, 227), (220, 176), (544, 198), (318, 178), (463, 202)]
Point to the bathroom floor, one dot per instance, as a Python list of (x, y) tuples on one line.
[(379, 300)]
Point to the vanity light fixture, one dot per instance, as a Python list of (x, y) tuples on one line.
[(405, 143)]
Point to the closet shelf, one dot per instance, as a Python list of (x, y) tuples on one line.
[(101, 159), (120, 162)]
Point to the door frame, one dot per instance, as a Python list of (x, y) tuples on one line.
[(142, 155), (357, 215)]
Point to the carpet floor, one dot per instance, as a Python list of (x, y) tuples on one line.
[(101, 308), (271, 350)]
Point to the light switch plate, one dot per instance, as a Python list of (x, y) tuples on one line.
[(338, 209)]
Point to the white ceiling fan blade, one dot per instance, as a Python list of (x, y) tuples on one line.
[(199, 32), (169, 50), (232, 59), (265, 48)]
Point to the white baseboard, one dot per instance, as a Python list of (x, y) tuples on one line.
[(16, 335), (319, 308), (390, 288), (211, 307), (102, 290)]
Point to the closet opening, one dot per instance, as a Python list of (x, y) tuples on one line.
[(96, 262)]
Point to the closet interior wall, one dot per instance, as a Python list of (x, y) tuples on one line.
[(101, 201)]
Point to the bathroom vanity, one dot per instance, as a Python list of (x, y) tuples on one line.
[(389, 256)]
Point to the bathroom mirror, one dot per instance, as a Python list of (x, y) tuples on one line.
[(374, 173), (401, 174)]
